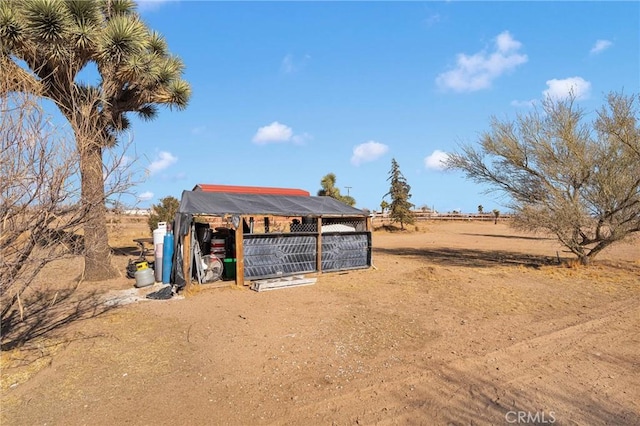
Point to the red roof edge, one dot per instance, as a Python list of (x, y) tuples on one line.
[(260, 190)]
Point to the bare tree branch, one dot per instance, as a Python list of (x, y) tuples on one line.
[(41, 212)]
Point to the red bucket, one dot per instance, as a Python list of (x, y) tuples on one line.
[(218, 248)]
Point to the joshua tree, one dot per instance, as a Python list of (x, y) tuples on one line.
[(329, 189), (45, 44), (383, 206), (496, 214)]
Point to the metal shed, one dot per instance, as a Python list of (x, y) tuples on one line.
[(324, 234)]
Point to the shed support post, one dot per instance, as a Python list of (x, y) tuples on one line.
[(186, 259), (240, 253), (319, 245), (369, 224)]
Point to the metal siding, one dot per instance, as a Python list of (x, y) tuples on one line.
[(236, 189)]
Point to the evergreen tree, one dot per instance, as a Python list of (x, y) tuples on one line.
[(400, 207)]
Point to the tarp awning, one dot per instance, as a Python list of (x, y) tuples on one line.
[(220, 204)]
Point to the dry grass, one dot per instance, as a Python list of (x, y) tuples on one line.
[(25, 362)]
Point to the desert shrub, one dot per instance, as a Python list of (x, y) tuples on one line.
[(163, 212)]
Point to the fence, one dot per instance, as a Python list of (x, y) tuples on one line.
[(379, 219)]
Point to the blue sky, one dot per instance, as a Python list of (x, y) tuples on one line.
[(286, 92)]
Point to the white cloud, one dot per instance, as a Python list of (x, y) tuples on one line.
[(436, 161), (278, 132), (145, 196), (291, 65), (162, 161), (368, 151), (600, 46), (506, 43), (478, 71), (274, 132), (561, 89), (287, 64)]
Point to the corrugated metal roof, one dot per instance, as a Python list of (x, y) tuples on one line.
[(264, 190), (220, 204)]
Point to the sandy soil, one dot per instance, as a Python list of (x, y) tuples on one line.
[(459, 323)]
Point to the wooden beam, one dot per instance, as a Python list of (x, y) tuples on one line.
[(240, 253), (186, 259), (284, 282), (319, 245), (369, 226)]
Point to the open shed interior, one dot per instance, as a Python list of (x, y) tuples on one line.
[(239, 236)]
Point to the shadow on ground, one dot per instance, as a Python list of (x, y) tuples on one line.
[(126, 251), (511, 237), (45, 312), (471, 257)]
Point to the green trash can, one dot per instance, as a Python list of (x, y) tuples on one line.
[(230, 268)]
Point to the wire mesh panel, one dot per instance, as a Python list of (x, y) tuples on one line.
[(341, 251), (343, 225), (267, 256), (297, 226)]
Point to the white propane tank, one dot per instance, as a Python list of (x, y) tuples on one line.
[(158, 240), (144, 277)]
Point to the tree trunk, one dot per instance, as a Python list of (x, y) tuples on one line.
[(97, 253)]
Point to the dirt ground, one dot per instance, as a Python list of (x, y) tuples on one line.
[(464, 323)]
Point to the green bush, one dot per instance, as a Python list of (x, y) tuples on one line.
[(163, 212)]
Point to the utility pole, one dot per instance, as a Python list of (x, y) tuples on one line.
[(348, 188)]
